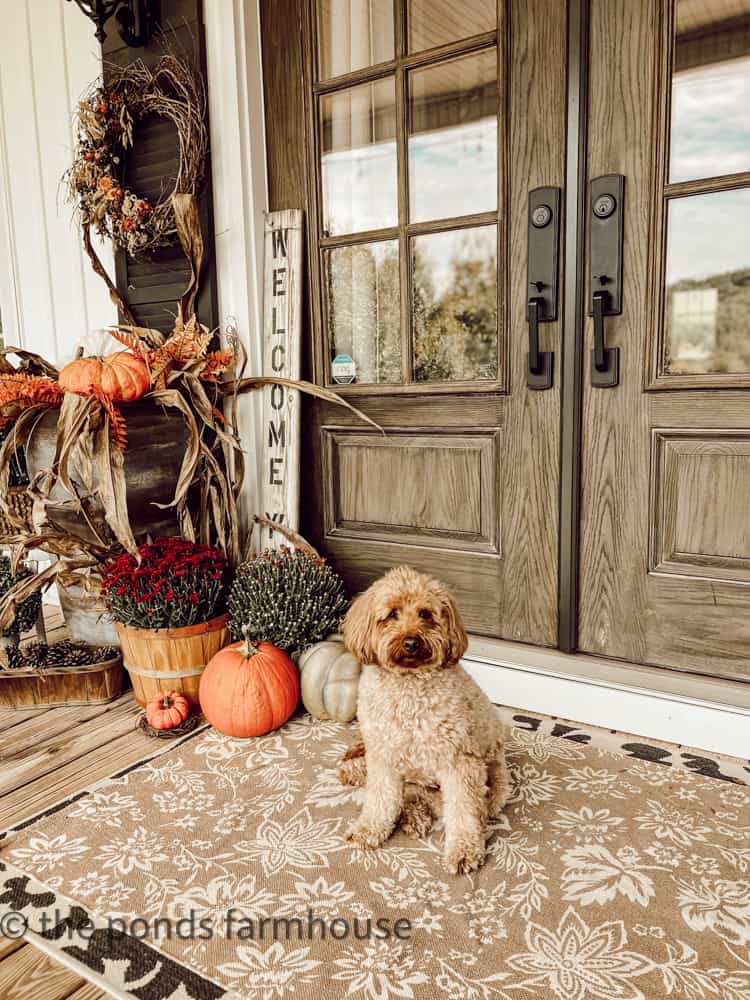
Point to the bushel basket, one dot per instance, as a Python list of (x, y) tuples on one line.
[(170, 658)]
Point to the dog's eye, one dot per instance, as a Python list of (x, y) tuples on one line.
[(424, 613), (393, 614)]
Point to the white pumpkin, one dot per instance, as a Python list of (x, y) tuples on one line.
[(329, 680)]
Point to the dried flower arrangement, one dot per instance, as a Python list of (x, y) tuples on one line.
[(290, 598), (106, 118), (171, 584), (180, 372), (20, 390), (201, 385)]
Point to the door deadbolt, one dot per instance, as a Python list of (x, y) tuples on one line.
[(604, 206), (541, 216)]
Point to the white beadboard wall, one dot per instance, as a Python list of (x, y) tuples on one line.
[(238, 164), (49, 295)]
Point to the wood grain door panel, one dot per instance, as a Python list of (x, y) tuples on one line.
[(437, 489), (701, 485), (429, 496), (463, 481), (665, 529)]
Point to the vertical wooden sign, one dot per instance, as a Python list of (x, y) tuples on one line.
[(282, 356)]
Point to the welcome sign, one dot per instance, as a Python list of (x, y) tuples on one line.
[(282, 354)]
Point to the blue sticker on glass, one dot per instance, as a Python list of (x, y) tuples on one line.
[(343, 369)]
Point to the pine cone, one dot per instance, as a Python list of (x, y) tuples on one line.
[(39, 656), (35, 655), (104, 653), (15, 658)]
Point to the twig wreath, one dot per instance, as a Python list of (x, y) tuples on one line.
[(105, 122)]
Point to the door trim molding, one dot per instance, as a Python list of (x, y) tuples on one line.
[(653, 702), (573, 263)]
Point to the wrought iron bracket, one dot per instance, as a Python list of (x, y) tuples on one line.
[(136, 19)]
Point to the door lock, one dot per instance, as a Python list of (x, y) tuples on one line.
[(604, 206), (543, 244), (605, 277), (541, 216)]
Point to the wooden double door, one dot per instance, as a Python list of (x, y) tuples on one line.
[(596, 500)]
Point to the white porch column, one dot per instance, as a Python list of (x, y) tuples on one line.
[(235, 94)]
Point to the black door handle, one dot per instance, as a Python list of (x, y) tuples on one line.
[(605, 361), (605, 282), (543, 241), (539, 375)]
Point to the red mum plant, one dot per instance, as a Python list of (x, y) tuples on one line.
[(176, 583)]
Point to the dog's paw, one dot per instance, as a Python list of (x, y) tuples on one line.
[(464, 856), (362, 835)]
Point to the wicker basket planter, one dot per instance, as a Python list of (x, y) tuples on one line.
[(170, 658), (95, 684)]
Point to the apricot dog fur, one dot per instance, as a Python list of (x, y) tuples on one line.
[(425, 724)]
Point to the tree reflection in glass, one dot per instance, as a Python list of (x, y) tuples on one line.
[(707, 307), (454, 281)]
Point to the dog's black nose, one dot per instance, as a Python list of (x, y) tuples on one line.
[(411, 644)]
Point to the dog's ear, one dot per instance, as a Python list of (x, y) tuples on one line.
[(455, 628), (358, 628)]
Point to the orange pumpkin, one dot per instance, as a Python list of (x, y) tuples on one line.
[(121, 376), (167, 710), (248, 689)]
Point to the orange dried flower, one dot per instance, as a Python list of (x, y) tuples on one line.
[(216, 363), (18, 392), (118, 429)]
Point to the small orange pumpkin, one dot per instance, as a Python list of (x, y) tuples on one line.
[(121, 376), (167, 710), (248, 689)]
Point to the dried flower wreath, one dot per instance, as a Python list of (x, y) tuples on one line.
[(106, 119)]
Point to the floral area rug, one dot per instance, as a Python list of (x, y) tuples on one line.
[(620, 871)]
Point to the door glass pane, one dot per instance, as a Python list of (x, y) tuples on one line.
[(358, 151), (363, 304), (453, 109), (454, 280), (710, 89), (707, 322), (353, 34), (435, 22)]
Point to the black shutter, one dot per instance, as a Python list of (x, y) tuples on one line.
[(152, 283)]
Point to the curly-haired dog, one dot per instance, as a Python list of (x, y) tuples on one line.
[(425, 723)]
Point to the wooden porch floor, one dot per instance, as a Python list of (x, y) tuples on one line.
[(47, 755)]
